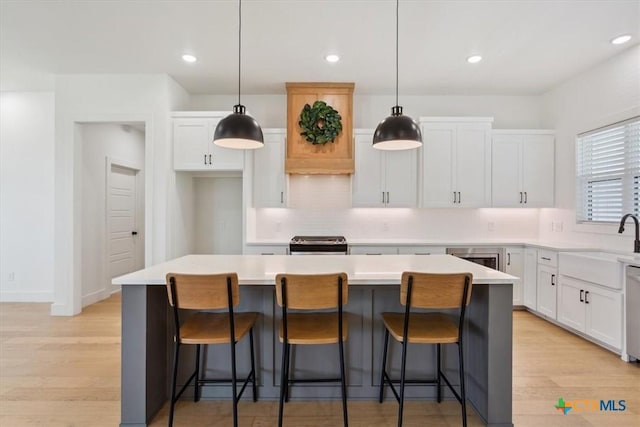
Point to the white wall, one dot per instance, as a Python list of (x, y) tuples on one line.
[(26, 196), (320, 205), (99, 141), (110, 98), (218, 216), (602, 95)]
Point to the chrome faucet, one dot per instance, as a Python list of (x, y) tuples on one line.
[(636, 242)]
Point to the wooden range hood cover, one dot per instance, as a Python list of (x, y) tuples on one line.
[(303, 157)]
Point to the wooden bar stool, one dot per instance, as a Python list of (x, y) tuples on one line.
[(427, 291), (307, 292), (209, 292)]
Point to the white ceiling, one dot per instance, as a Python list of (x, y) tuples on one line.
[(528, 46)]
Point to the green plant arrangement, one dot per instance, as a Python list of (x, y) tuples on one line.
[(320, 124)]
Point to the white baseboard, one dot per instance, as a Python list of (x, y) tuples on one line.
[(96, 296), (12, 296)]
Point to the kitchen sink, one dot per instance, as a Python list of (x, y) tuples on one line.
[(602, 268)]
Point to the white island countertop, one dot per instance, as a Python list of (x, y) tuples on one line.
[(361, 269)]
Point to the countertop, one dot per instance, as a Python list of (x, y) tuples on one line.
[(361, 269)]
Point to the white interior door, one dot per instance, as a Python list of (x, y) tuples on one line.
[(121, 216)]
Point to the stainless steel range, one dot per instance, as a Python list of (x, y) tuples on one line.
[(314, 245)]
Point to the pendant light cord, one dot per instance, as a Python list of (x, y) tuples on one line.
[(239, 44), (397, 13)]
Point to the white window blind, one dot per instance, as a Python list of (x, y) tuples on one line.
[(608, 172)]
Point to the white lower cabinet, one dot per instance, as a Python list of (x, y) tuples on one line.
[(530, 283), (421, 250), (591, 309), (514, 265), (547, 290), (373, 250)]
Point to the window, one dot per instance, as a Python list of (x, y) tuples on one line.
[(608, 172)]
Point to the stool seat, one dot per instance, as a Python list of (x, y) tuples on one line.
[(424, 328), (316, 328), (213, 328)]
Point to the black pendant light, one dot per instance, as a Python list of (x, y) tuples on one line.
[(239, 130), (397, 132)]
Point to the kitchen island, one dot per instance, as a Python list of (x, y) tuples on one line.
[(373, 289)]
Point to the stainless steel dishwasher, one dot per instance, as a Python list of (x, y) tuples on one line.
[(632, 297)]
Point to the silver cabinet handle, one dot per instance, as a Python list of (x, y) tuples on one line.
[(553, 278), (581, 295), (383, 197), (209, 158), (459, 198), (205, 159), (387, 197), (525, 197), (521, 197), (586, 297), (454, 197), (282, 197), (545, 258), (509, 259)]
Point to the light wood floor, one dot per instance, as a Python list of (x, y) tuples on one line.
[(58, 371)]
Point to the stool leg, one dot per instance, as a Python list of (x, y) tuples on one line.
[(439, 368), (233, 384), (402, 375), (463, 395), (253, 366), (384, 364), (196, 385), (344, 384), (283, 382), (287, 371), (174, 379)]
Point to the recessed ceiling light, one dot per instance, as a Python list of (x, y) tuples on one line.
[(474, 59), (621, 39), (332, 58), (189, 58)]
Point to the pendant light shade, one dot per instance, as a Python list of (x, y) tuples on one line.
[(397, 132), (239, 130)]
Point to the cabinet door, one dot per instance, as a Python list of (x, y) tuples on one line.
[(514, 265), (571, 306), (604, 315), (373, 250), (472, 165), (223, 159), (530, 283), (268, 171), (190, 139), (547, 277), (368, 180), (538, 170), (505, 181), (437, 164), (401, 178)]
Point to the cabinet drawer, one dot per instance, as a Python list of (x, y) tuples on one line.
[(549, 258), (373, 250), (421, 250)]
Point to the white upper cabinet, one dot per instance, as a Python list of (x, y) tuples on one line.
[(523, 168), (193, 149), (456, 161), (268, 171), (383, 178)]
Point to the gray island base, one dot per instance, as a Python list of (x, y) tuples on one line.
[(147, 337)]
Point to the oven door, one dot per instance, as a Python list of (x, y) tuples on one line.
[(488, 257)]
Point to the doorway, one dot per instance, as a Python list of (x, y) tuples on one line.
[(112, 206)]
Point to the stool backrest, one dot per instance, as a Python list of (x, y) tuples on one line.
[(202, 291), (436, 291), (311, 291)]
